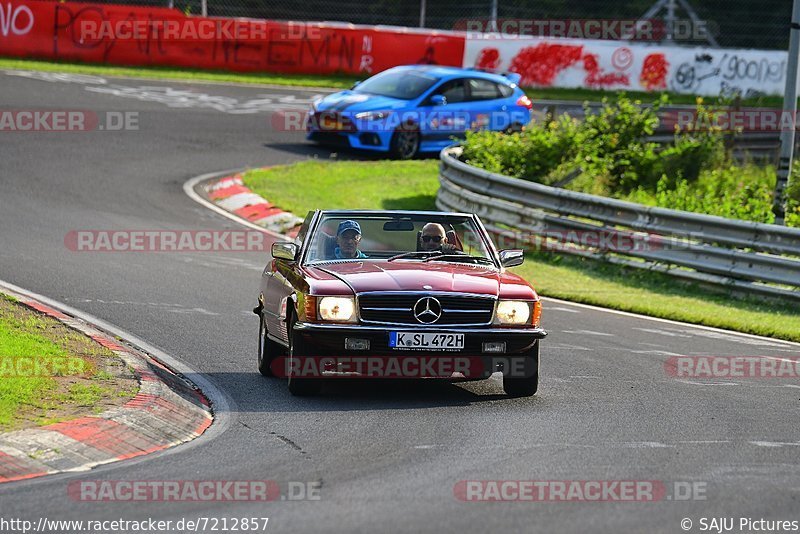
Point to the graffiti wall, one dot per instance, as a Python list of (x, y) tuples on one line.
[(158, 36), (638, 67), (127, 35)]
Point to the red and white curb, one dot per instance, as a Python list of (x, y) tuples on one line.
[(166, 411), (231, 195)]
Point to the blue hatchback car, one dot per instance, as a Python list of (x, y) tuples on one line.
[(418, 108)]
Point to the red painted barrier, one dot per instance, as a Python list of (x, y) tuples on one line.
[(129, 35)]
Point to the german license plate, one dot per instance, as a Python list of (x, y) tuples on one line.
[(426, 340)]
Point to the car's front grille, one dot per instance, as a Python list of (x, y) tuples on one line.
[(399, 309)]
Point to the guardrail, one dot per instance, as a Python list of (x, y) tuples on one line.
[(754, 257)]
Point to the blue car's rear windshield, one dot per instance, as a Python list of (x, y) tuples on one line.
[(405, 85)]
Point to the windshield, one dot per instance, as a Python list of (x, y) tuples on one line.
[(419, 238), (404, 84)]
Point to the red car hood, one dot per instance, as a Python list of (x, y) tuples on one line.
[(414, 276)]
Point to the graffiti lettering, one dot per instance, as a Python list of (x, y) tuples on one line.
[(11, 22), (761, 70)]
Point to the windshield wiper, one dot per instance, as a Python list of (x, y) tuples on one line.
[(418, 253), (460, 257)]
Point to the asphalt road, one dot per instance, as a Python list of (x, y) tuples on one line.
[(387, 457)]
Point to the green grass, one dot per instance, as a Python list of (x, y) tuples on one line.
[(173, 73), (19, 338), (412, 185), (33, 395), (337, 81), (655, 294), (404, 185)]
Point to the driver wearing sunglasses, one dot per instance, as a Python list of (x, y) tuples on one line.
[(433, 237)]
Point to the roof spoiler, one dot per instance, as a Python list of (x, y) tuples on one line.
[(512, 77)]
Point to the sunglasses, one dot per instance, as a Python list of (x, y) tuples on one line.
[(434, 238)]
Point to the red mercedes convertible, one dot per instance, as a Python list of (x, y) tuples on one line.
[(396, 294)]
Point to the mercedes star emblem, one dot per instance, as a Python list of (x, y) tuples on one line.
[(427, 310)]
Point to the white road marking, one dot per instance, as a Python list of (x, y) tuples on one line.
[(709, 383), (646, 445), (661, 332), (201, 311), (167, 306), (175, 98), (558, 346), (694, 327), (737, 339), (703, 442), (588, 333), (774, 443), (57, 77), (661, 352), (561, 308)]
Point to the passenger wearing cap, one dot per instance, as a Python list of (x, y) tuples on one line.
[(348, 236)]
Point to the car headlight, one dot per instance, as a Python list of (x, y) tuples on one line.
[(372, 115), (513, 312), (338, 309)]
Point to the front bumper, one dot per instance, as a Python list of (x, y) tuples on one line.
[(379, 141), (330, 338), (326, 341)]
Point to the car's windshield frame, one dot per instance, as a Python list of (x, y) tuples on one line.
[(435, 216)]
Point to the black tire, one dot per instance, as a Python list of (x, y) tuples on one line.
[(405, 143), (527, 385), (268, 350), (514, 128), (300, 387)]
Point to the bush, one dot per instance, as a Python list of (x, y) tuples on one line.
[(693, 173), (612, 144), (732, 192), (531, 154)]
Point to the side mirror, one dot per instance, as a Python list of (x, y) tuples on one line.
[(512, 257), (438, 100), (283, 250)]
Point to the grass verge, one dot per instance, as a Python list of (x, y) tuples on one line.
[(413, 185), (51, 373), (327, 81), (189, 75)]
